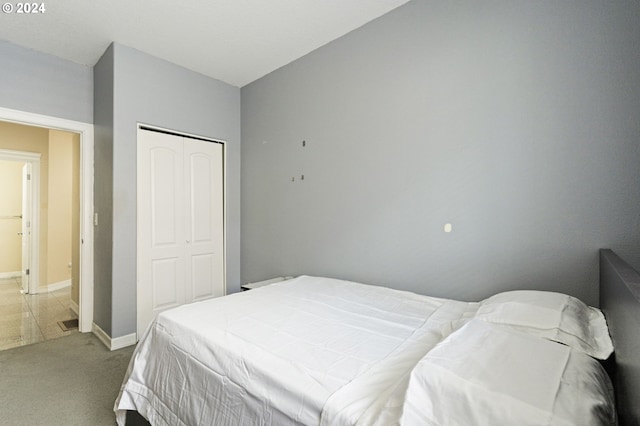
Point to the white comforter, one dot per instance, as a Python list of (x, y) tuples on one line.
[(332, 353)]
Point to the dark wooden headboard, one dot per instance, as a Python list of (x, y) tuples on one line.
[(620, 302)]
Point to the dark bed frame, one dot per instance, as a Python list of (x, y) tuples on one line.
[(620, 302)]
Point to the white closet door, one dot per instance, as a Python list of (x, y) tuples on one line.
[(180, 222), (161, 242), (204, 227)]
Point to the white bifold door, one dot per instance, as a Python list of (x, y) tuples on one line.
[(180, 222)]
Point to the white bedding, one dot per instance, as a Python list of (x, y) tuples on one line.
[(518, 379), (331, 352)]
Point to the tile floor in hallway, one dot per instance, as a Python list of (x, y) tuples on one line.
[(26, 318)]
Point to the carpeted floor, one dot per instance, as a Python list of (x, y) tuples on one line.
[(71, 380)]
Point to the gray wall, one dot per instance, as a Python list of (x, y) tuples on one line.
[(43, 84), (103, 189), (516, 121), (152, 91)]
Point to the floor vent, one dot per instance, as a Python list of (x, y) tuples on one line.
[(68, 325)]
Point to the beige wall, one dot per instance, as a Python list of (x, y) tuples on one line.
[(60, 182), (32, 139), (10, 205)]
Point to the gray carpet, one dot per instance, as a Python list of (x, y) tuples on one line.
[(72, 380)]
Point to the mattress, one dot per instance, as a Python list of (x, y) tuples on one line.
[(319, 351)]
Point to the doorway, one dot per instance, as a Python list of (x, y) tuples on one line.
[(40, 234), (85, 208)]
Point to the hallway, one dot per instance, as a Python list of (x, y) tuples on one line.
[(26, 319)]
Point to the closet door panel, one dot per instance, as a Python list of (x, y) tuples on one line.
[(161, 225), (204, 192), (202, 268), (165, 196), (165, 275)]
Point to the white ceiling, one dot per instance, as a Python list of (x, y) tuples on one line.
[(236, 41)]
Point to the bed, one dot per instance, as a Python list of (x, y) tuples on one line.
[(319, 351), (620, 302)]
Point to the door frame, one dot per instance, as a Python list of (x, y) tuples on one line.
[(34, 237), (85, 130), (26, 224)]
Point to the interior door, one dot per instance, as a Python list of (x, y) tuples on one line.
[(26, 225), (180, 223)]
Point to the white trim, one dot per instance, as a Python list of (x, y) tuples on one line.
[(17, 155), (86, 198), (116, 343), (57, 286), (26, 224), (15, 274), (123, 341), (225, 240)]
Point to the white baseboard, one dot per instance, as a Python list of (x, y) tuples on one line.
[(115, 343), (15, 274), (55, 286), (123, 341)]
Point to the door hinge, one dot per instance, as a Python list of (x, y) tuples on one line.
[(27, 272), (28, 176)]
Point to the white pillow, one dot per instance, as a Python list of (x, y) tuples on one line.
[(485, 374), (553, 316)]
